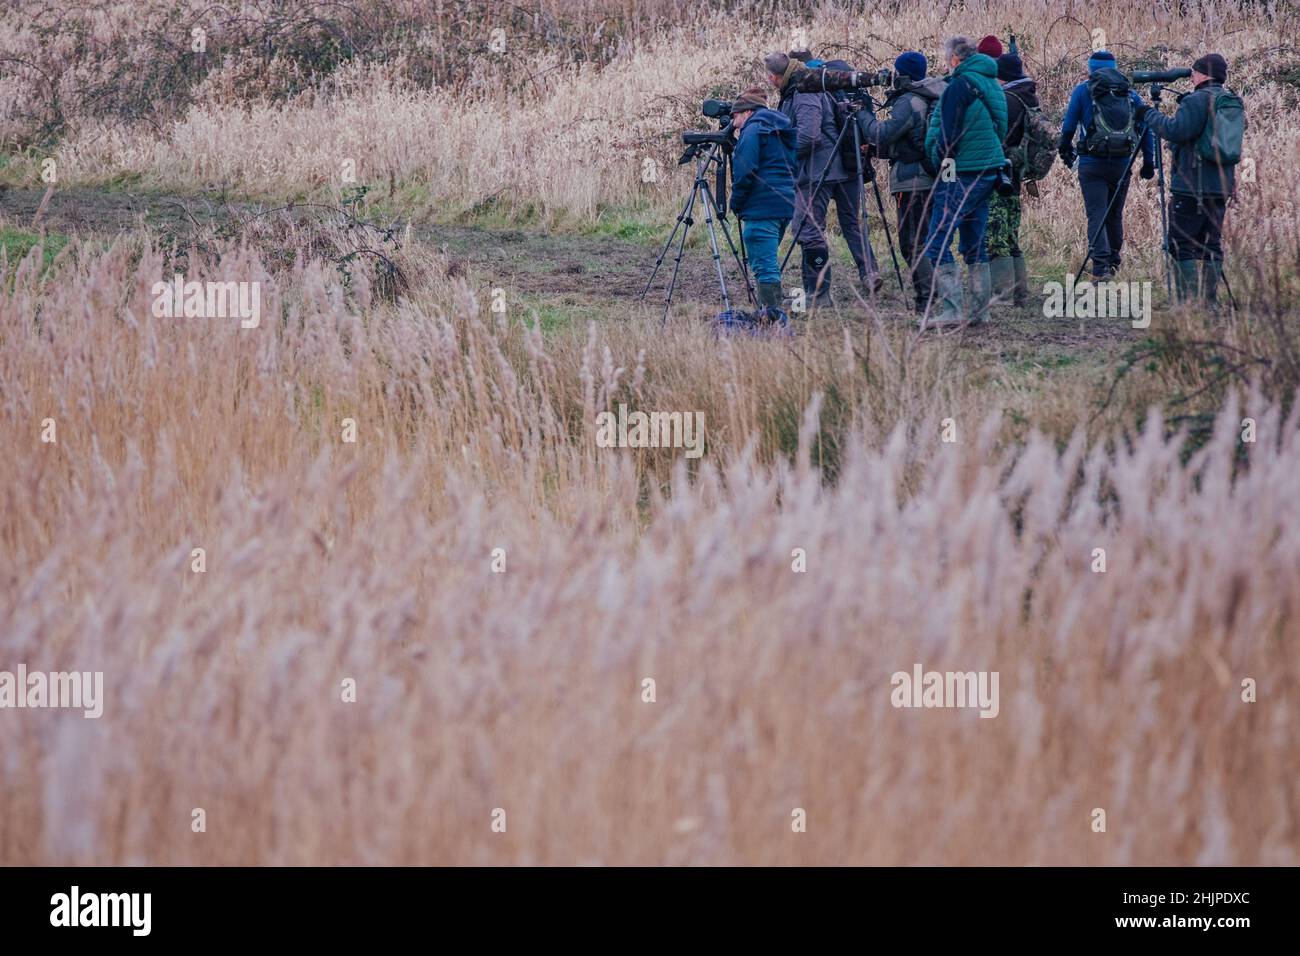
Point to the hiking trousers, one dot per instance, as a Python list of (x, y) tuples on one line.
[(1104, 184), (1196, 233)]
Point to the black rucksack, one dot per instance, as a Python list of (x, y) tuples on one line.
[(910, 148), (1112, 131)]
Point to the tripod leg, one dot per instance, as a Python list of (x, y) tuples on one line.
[(1164, 221), (682, 222), (736, 254), (681, 249), (880, 206), (859, 211), (713, 244)]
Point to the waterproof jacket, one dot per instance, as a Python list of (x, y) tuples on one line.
[(1078, 115), (1021, 96), (970, 120), (1191, 174), (763, 167), (813, 117), (901, 138)]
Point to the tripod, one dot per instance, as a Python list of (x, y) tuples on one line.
[(880, 206), (706, 156)]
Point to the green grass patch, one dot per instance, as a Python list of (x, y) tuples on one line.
[(560, 316), (16, 243)]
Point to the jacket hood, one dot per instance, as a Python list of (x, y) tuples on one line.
[(1025, 90), (790, 71), (769, 121), (931, 87), (980, 63)]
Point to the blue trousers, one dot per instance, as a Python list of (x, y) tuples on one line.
[(762, 239), (960, 207)]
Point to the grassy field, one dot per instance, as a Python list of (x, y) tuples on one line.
[(362, 582)]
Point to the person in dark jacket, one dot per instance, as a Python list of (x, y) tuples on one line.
[(1007, 270), (762, 188), (813, 117), (964, 142), (847, 195), (1103, 181), (1199, 190), (900, 140)]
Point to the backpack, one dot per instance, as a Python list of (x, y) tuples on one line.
[(1220, 139), (760, 322), (1033, 156), (911, 147), (1112, 131)]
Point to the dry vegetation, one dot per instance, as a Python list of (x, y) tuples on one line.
[(522, 690)]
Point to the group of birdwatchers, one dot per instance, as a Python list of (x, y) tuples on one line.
[(961, 149)]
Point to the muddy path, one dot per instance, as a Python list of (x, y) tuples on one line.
[(557, 269)]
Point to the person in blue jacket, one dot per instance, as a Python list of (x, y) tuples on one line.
[(1103, 174), (763, 167)]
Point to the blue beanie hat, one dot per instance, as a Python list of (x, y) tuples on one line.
[(912, 65), (1100, 60)]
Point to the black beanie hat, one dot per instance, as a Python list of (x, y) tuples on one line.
[(1010, 68), (1213, 66)]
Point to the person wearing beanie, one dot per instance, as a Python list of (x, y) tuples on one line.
[(1103, 173), (1101, 60), (900, 140), (1008, 272), (813, 116), (762, 189), (964, 136), (990, 46), (1201, 184)]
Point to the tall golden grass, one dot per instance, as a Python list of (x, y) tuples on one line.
[(518, 686), (522, 690)]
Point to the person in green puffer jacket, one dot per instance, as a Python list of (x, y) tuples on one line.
[(964, 142)]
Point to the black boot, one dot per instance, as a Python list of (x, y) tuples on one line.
[(817, 275), (922, 283), (769, 301), (1211, 273)]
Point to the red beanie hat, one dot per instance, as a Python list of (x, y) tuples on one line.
[(991, 46)]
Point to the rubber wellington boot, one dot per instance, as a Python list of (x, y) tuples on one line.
[(1211, 273), (947, 297), (769, 299), (1186, 280), (1021, 291), (981, 291), (1002, 275)]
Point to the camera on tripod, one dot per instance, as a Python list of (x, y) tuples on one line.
[(1158, 78), (697, 139)]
